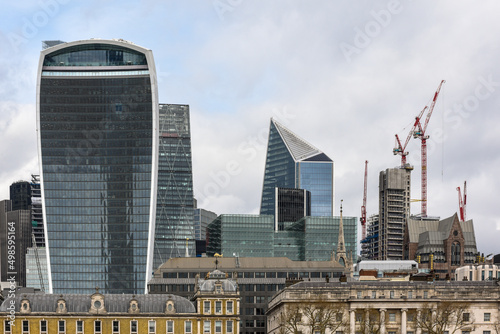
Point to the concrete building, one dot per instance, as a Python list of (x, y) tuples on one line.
[(20, 195), (213, 309), (386, 308), (97, 125), (440, 245), (478, 272), (394, 211), (258, 279), (202, 218), (293, 163), (174, 211)]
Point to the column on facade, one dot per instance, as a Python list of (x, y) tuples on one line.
[(419, 314), (367, 321), (382, 320), (352, 321), (403, 320)]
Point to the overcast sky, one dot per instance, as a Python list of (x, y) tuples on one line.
[(345, 76)]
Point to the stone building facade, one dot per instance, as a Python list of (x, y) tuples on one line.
[(214, 309), (385, 307)]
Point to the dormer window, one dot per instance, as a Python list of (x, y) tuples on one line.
[(25, 306), (133, 306), (170, 307), (218, 288), (61, 306)]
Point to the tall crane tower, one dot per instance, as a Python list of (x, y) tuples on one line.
[(363, 207), (462, 202), (419, 133)]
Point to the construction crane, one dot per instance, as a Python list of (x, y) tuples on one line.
[(400, 149), (363, 207), (38, 266), (462, 202), (420, 134)]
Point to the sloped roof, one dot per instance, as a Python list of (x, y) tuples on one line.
[(114, 303), (299, 148)]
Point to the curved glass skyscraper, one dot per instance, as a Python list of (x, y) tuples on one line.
[(97, 116), (291, 162)]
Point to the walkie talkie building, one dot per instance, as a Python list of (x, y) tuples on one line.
[(97, 119)]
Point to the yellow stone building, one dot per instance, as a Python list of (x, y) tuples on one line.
[(214, 309)]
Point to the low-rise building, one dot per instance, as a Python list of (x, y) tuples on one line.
[(386, 307), (214, 309), (478, 272)]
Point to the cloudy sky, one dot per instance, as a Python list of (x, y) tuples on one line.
[(345, 76)]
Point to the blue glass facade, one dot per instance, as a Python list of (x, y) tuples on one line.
[(291, 162), (97, 150), (174, 210)]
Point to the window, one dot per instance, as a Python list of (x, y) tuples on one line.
[(206, 306), (187, 326), (426, 294), (218, 326), (410, 294), (455, 254), (206, 326), (465, 332), (26, 326), (249, 311), (116, 326), (97, 327), (7, 326), (170, 326), (466, 317), (486, 332), (152, 326), (358, 294), (79, 327), (392, 317), (218, 306), (359, 317), (391, 332), (43, 326), (61, 327), (487, 316), (374, 294), (133, 327), (391, 294), (229, 307)]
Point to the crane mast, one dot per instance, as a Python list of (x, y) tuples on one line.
[(363, 207), (420, 134), (462, 202)]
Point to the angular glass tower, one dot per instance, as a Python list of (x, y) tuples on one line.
[(174, 212), (97, 116), (291, 162)]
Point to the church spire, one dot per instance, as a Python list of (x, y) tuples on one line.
[(341, 253)]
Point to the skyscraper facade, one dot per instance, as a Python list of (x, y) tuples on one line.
[(291, 162), (394, 211), (174, 212), (97, 115)]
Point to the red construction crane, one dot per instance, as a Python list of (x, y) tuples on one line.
[(462, 202), (400, 149), (363, 207), (420, 134)]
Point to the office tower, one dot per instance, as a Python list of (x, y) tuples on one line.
[(15, 238), (291, 162), (174, 211), (202, 218), (97, 114), (20, 195), (308, 239), (394, 211), (291, 205), (36, 211)]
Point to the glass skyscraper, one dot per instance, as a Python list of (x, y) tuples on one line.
[(291, 162), (174, 212), (97, 116)]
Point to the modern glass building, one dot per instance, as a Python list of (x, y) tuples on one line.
[(175, 209), (97, 119), (308, 239), (291, 162)]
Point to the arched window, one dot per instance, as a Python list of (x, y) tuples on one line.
[(455, 253)]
